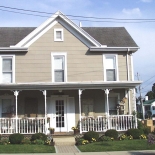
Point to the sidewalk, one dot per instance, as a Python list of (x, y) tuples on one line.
[(143, 152)]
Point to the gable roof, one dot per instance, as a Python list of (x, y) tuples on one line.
[(149, 102), (111, 36), (96, 38)]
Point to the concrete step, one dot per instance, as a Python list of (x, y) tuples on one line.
[(64, 140)]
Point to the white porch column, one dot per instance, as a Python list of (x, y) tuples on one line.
[(107, 99), (127, 95), (44, 93), (16, 95), (80, 93)]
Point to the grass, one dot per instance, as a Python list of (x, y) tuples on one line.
[(126, 145), (26, 148)]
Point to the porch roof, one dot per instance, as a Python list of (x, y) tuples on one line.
[(70, 85)]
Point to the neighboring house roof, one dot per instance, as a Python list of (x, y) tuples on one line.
[(110, 36), (149, 102), (12, 35)]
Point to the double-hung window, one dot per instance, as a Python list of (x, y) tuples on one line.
[(7, 69), (59, 67), (110, 67)]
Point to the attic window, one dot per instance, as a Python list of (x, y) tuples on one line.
[(58, 35)]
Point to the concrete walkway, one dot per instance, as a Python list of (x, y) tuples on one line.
[(66, 149)]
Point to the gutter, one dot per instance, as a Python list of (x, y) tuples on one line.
[(13, 49), (113, 49)]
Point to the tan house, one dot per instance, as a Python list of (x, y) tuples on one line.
[(61, 75)]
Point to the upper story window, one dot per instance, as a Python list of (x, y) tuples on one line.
[(110, 67), (58, 35), (7, 69), (59, 67)]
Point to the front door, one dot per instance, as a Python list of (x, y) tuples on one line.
[(60, 115), (61, 111), (59, 119)]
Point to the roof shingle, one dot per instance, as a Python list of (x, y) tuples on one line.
[(110, 36)]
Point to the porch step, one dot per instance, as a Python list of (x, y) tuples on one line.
[(64, 140)]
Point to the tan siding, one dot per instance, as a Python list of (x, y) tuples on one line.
[(122, 67), (35, 65), (81, 64)]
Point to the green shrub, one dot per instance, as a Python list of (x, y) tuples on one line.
[(79, 141), (16, 138), (112, 133), (40, 136), (39, 142), (26, 141), (104, 138), (91, 134), (4, 141), (140, 125), (135, 133), (146, 130)]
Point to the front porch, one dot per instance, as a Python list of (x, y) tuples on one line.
[(36, 125), (90, 106)]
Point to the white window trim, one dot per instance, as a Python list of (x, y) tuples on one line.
[(13, 66), (62, 35), (104, 71), (52, 63)]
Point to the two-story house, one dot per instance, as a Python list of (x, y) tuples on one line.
[(61, 75)]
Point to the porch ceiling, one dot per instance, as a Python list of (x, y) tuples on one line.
[(70, 85)]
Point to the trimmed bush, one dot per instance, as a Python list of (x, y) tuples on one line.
[(16, 138), (40, 136), (104, 138), (135, 133), (91, 134), (112, 133)]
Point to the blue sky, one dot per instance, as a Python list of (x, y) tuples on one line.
[(142, 32)]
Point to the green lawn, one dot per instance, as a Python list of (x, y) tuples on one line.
[(125, 145), (26, 148)]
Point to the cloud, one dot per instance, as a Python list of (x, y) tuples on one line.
[(135, 11), (146, 1)]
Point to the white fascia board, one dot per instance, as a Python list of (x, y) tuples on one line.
[(114, 49), (70, 85), (80, 30), (28, 40)]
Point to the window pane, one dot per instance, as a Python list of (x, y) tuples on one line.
[(59, 76), (58, 34), (7, 77), (110, 63), (58, 62), (110, 75), (7, 65)]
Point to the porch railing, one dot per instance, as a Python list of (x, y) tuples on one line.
[(24, 125), (102, 124)]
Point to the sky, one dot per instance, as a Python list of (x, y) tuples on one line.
[(141, 31)]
